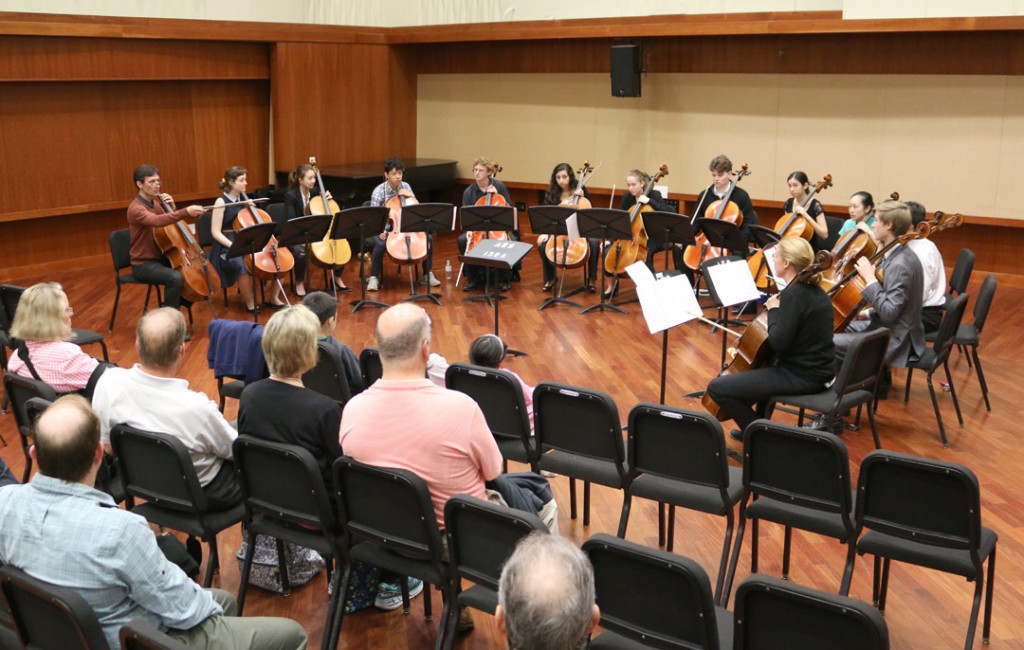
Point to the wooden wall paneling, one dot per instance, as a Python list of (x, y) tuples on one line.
[(44, 243), (342, 103), (149, 123), (28, 58), (55, 145), (232, 127)]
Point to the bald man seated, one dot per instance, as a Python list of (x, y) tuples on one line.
[(546, 596), (151, 396), (59, 529)]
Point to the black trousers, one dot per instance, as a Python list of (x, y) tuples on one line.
[(743, 396), (223, 491), (160, 272), (931, 318)]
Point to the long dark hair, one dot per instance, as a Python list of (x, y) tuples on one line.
[(554, 194)]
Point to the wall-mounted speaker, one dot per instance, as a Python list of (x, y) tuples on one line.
[(626, 70)]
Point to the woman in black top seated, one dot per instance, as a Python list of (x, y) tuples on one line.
[(800, 336), (562, 188), (281, 409)]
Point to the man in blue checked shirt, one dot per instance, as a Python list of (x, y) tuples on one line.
[(59, 529)]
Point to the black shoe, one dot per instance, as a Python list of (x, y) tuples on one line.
[(821, 423), (504, 286), (590, 288), (471, 285), (548, 286), (273, 305), (188, 336), (748, 308), (195, 549), (736, 434)]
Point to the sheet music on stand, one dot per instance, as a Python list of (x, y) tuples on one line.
[(733, 283), (665, 302), (769, 260)]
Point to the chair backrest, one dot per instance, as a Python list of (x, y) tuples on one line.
[(864, 361), (798, 466), (21, 390), (390, 507), (120, 250), (10, 295), (984, 301), (47, 616), (279, 215), (773, 613), (835, 224), (296, 494), (954, 313), (961, 275), (499, 395), (482, 535), (577, 420), (678, 444), (927, 501), (369, 362), (140, 635), (652, 596), (156, 467), (204, 230), (328, 376)]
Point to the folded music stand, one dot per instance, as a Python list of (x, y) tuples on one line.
[(550, 220), (427, 218), (498, 254), (605, 224), (360, 222), (487, 218), (669, 228), (305, 231), (249, 241)]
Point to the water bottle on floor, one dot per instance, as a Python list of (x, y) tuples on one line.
[(448, 270)]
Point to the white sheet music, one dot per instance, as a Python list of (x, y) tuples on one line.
[(572, 226), (769, 260), (733, 282), (666, 302)]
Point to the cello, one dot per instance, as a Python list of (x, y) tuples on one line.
[(565, 252), (489, 198), (404, 248), (328, 253), (186, 256), (791, 224), (636, 248), (272, 262), (723, 209), (752, 350)]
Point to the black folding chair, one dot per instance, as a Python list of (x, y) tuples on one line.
[(678, 457), (156, 467), (799, 478), (120, 254), (969, 334), (140, 635), (500, 396), (925, 512), (328, 376), (369, 362), (20, 390), (774, 614), (391, 524), (652, 598), (578, 435), (49, 617)]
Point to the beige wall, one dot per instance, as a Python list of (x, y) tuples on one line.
[(955, 143)]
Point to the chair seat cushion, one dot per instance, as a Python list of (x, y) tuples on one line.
[(609, 640), (927, 361), (967, 334), (829, 524), (401, 564), (926, 555), (232, 389), (824, 402), (602, 472), (702, 498), (311, 538), (512, 449), (479, 597), (186, 522), (85, 337)]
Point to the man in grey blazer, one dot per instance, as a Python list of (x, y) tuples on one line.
[(896, 301)]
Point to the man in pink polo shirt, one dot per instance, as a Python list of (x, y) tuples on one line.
[(406, 421)]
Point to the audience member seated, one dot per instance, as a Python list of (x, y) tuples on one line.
[(546, 596), (489, 351), (325, 306), (934, 271), (281, 409), (151, 396), (59, 529), (43, 322)]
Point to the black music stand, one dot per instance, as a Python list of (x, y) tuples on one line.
[(668, 228), (550, 220), (605, 224), (305, 231), (487, 218), (360, 222), (249, 241), (427, 218), (498, 254)]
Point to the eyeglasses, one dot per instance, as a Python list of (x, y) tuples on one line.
[(69, 311)]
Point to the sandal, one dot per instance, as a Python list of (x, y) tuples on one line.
[(548, 286)]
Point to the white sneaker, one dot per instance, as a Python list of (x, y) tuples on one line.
[(373, 284), (431, 280)]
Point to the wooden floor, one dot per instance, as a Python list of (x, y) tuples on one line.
[(615, 353)]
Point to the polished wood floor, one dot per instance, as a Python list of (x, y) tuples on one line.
[(615, 353)]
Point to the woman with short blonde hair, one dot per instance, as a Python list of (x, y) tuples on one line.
[(289, 342), (43, 322)]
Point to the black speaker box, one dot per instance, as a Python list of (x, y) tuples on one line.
[(626, 70)]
